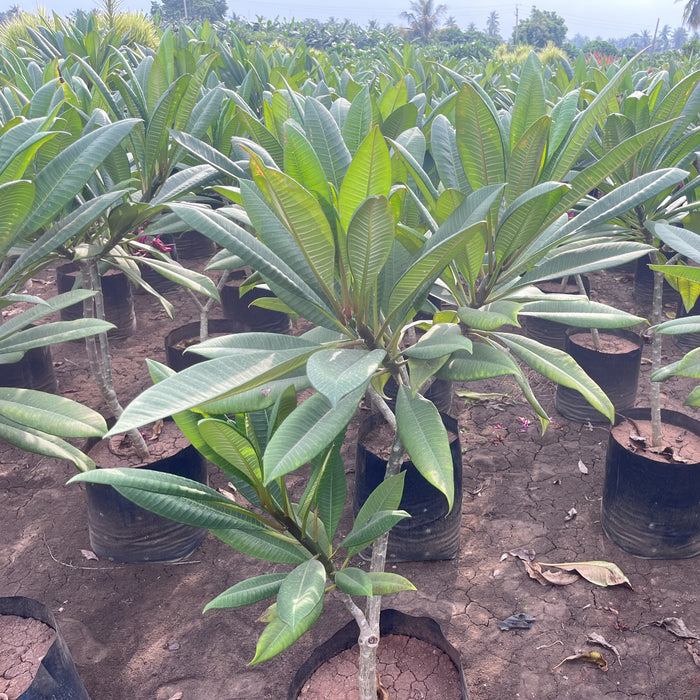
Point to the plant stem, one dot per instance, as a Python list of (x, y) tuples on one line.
[(657, 340), (99, 360), (595, 335)]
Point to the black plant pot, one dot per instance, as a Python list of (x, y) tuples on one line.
[(439, 392), (651, 509), (549, 332), (117, 294), (617, 374), (245, 317), (644, 286), (122, 531), (33, 371), (391, 622), (179, 339), (431, 533), (57, 677), (192, 245)]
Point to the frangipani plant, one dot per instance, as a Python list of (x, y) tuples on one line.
[(342, 262)]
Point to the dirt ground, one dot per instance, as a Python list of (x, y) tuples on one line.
[(137, 631)]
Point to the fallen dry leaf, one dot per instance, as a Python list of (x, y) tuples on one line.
[(177, 696), (675, 625), (694, 653), (89, 555), (582, 467), (556, 578), (592, 657), (522, 553), (157, 430), (570, 514), (602, 573), (595, 638)]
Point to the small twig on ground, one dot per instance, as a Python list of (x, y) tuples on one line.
[(546, 646)]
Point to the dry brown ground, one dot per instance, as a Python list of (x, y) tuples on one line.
[(137, 632)]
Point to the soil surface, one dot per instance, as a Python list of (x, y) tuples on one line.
[(23, 644), (137, 631)]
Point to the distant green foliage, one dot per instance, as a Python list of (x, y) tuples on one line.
[(176, 11), (540, 28)]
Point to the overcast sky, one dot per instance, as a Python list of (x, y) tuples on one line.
[(594, 18)]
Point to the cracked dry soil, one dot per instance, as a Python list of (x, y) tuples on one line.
[(138, 632)]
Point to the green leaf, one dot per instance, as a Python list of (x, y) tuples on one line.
[(301, 162), (64, 176), (301, 591), (479, 138), (247, 592), (424, 436), (266, 545), (560, 368), (358, 121), (337, 372), (483, 362), (230, 445), (583, 314), (442, 339), (354, 581), (365, 532), (527, 159), (31, 440), (370, 238), (306, 431), (52, 333), (529, 105), (17, 199), (303, 216), (385, 583), (491, 316), (277, 636), (324, 134), (444, 150), (332, 491), (678, 326), (368, 175), (50, 413)]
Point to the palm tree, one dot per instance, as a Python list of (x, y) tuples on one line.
[(492, 24), (424, 17), (664, 37), (680, 36), (691, 13)]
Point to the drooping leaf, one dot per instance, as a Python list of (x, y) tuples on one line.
[(247, 592)]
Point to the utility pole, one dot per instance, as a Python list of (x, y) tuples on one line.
[(516, 25), (653, 41)]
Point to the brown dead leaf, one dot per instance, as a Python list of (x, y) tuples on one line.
[(555, 578), (670, 454), (602, 573), (522, 553), (675, 625), (595, 638), (157, 430), (582, 467), (694, 653), (177, 696), (592, 657), (89, 555)]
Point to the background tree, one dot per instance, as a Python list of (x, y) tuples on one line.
[(492, 24), (424, 17), (175, 11), (541, 27), (691, 13), (680, 36)]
